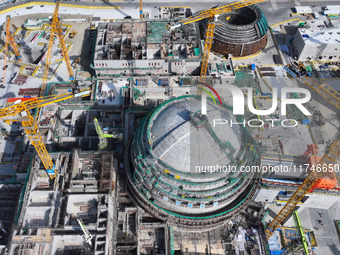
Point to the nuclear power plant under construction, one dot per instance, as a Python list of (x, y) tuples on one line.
[(169, 128)]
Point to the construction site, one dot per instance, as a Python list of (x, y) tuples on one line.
[(169, 130)]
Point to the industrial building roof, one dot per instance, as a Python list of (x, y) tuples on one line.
[(303, 9), (325, 36)]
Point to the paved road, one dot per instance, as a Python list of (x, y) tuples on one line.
[(273, 9)]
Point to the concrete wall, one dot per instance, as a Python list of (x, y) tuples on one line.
[(143, 67)]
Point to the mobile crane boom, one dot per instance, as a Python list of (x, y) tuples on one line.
[(87, 235), (9, 39), (102, 136), (301, 232)]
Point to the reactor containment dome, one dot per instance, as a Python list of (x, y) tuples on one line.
[(185, 171)]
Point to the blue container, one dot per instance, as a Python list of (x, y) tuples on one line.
[(305, 122)]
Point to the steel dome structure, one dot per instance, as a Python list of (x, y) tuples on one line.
[(177, 164)]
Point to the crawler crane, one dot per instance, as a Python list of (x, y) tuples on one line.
[(102, 136)]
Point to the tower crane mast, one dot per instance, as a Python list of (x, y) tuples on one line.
[(9, 39), (6, 51), (333, 151), (141, 15), (323, 89), (56, 30), (330, 157)]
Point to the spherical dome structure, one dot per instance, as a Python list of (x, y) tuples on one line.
[(185, 169), (242, 32)]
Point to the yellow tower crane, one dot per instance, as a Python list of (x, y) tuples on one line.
[(324, 90), (141, 15), (327, 163), (9, 39), (20, 111), (13, 43), (6, 52), (56, 30), (211, 14)]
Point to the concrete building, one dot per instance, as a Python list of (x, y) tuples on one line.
[(141, 48), (311, 44), (332, 10), (303, 9), (48, 220)]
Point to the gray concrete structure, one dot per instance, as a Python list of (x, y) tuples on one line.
[(139, 48)]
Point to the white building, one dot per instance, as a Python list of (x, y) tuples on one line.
[(332, 10), (303, 9), (317, 44)]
